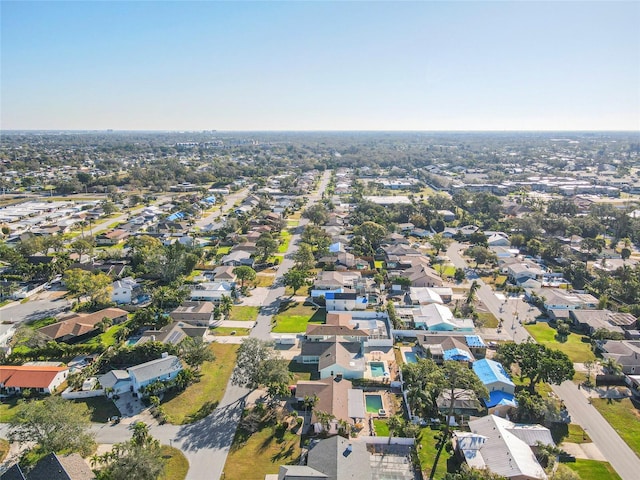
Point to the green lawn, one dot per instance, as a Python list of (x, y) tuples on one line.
[(8, 408), (42, 322), (285, 238), (302, 371), (382, 428), (201, 398), (577, 350), (571, 433), (226, 331), (427, 449), (624, 417), (101, 408), (176, 466), (264, 280), (4, 449), (108, 338), (593, 470), (223, 251), (244, 314), (487, 320), (294, 317), (261, 453)]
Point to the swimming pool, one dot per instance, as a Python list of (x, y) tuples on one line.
[(374, 403), (410, 357), (377, 369)]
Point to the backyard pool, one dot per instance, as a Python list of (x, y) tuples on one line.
[(410, 357), (377, 369), (374, 403)]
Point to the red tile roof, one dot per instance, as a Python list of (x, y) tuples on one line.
[(28, 376)]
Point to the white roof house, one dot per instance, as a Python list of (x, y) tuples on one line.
[(161, 369), (503, 447), (424, 296), (123, 290)]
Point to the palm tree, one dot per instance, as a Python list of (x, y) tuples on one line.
[(226, 304), (472, 292), (395, 424), (611, 366), (325, 420)]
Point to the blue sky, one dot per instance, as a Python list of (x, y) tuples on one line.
[(320, 65)]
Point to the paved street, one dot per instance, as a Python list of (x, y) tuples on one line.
[(210, 221), (206, 443), (614, 449), (33, 309)]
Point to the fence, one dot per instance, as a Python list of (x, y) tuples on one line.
[(68, 394)]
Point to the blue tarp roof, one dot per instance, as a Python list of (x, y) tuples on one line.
[(335, 247), (456, 354), (176, 216), (498, 397), (211, 199), (490, 371), (474, 341)]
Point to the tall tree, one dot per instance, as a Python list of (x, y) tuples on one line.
[(194, 351), (258, 364), (55, 424), (537, 363), (266, 245), (295, 279), (244, 274), (455, 378)]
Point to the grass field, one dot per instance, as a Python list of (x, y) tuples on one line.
[(593, 470), (302, 371), (382, 428), (294, 317), (624, 416), (577, 350), (8, 408), (42, 322), (264, 280), (176, 466), (4, 449), (108, 338), (101, 408), (226, 331), (487, 320), (261, 453), (285, 238), (571, 433), (201, 398), (427, 449), (243, 314)]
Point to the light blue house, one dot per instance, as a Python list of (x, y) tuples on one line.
[(162, 369), (501, 388)]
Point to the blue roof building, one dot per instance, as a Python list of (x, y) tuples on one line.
[(501, 388)]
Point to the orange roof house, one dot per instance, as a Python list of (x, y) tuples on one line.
[(43, 379), (83, 324)]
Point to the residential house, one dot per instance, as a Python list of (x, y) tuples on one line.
[(37, 378), (422, 296), (335, 280), (115, 382), (503, 447), (465, 403), (625, 352), (335, 358), (500, 386), (163, 369), (441, 348), (237, 258), (125, 290), (464, 347), (80, 326), (211, 291), (113, 237), (438, 318), (336, 396), (591, 320), (224, 274), (345, 301), (196, 313), (558, 299), (421, 276), (173, 333), (498, 239), (337, 458), (52, 467), (521, 272)]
